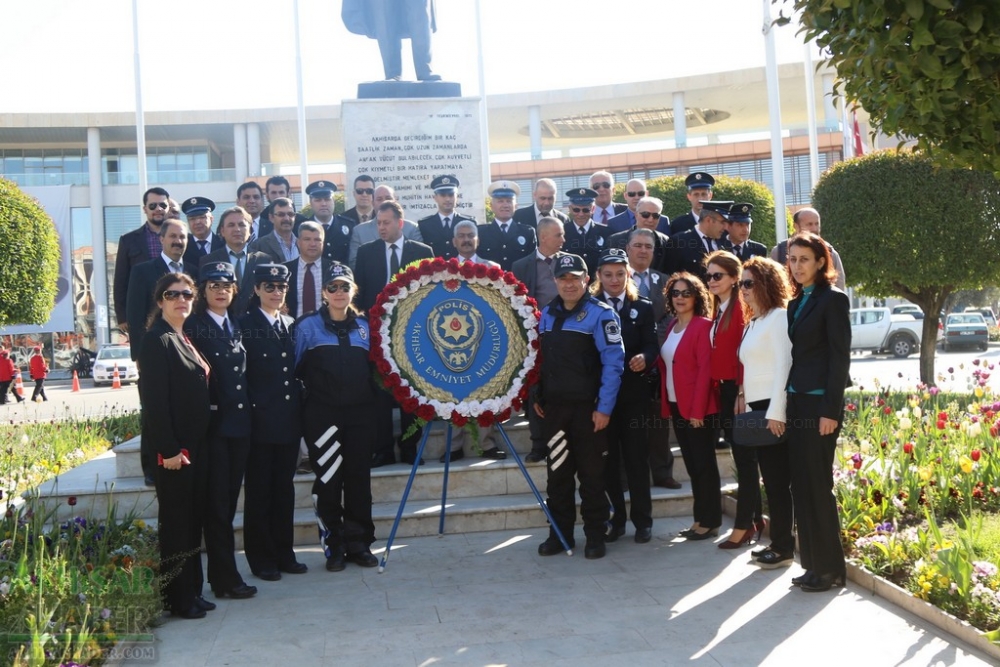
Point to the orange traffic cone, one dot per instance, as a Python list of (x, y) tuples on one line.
[(76, 382), (116, 382), (19, 386)]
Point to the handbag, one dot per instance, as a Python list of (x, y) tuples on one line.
[(750, 430)]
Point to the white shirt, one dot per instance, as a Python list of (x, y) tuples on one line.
[(291, 251), (667, 353), (715, 243), (267, 316), (300, 275), (718, 319), (766, 355), (388, 256), (169, 261), (596, 217), (585, 228), (475, 259), (219, 319)]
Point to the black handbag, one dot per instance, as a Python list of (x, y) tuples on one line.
[(750, 430)]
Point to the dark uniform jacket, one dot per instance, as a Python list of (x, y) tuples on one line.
[(821, 348), (748, 249), (682, 223), (638, 337), (330, 356), (193, 253), (686, 250), (434, 234), (227, 381), (505, 249), (239, 305), (590, 246), (275, 393)]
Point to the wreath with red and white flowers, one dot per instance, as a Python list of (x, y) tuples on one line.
[(450, 272)]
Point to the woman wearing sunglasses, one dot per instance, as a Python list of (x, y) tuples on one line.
[(723, 274), (686, 395), (218, 339), (331, 354), (275, 406), (766, 355), (175, 426), (819, 325)]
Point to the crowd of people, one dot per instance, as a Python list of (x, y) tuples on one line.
[(251, 336)]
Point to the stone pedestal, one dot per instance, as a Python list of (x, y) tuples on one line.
[(406, 143), (397, 89)]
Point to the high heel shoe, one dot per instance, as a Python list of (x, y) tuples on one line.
[(761, 526), (745, 540), (822, 582), (708, 534)]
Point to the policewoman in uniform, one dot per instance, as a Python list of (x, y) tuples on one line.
[(627, 440), (338, 419), (275, 402), (218, 340), (582, 363), (176, 430)]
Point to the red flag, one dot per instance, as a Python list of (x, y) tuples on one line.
[(859, 148)]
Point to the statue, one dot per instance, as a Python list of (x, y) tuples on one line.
[(391, 21)]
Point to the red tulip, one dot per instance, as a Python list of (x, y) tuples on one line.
[(908, 448), (887, 410), (975, 454), (941, 424), (71, 501)]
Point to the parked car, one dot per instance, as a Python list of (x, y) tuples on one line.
[(110, 356), (908, 309), (987, 313), (878, 330), (966, 329)]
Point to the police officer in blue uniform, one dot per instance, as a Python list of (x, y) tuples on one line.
[(275, 400), (338, 419), (336, 228), (585, 236), (582, 362), (219, 341), (505, 240)]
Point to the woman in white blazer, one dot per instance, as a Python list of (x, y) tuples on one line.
[(766, 355)]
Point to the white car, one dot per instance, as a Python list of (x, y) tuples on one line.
[(110, 356)]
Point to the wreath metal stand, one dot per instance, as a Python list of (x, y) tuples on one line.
[(444, 489)]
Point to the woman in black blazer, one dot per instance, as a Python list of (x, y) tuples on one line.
[(217, 337), (175, 425), (819, 326)]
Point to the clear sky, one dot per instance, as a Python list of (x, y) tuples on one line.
[(73, 55)]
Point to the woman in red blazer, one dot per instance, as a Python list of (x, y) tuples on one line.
[(685, 369), (723, 273)]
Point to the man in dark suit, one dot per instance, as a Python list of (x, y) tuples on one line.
[(738, 223), (687, 249), (366, 232), (504, 241), (280, 244), (603, 183), (699, 185), (234, 227), (635, 190), (278, 187), (364, 200), (201, 239), (250, 196), (544, 196), (378, 261), (305, 273), (138, 246), (584, 236), (647, 214), (437, 230)]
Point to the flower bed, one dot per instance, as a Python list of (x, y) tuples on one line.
[(917, 473)]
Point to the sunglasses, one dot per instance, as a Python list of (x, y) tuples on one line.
[(333, 288), (714, 277), (364, 191), (638, 193), (275, 287), (284, 214), (746, 284), (173, 295), (162, 205), (646, 215), (580, 209), (685, 293), (602, 184), (221, 287)]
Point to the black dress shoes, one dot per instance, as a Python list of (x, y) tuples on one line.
[(614, 532), (803, 578), (494, 453), (456, 455), (594, 550), (409, 458), (240, 592), (551, 547), (194, 611), (643, 535), (363, 558), (295, 567), (668, 483), (707, 535), (148, 480), (822, 582), (336, 563), (383, 459), (268, 575), (204, 604), (535, 456)]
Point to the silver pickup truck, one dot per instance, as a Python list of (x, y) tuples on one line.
[(878, 330)]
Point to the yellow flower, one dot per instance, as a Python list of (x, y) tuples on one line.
[(966, 464), (926, 395), (979, 392), (924, 473), (139, 523)]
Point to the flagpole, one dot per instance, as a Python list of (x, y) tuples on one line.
[(140, 123), (303, 148), (811, 115), (774, 110)]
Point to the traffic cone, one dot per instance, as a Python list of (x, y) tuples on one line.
[(116, 382), (76, 382), (19, 386)]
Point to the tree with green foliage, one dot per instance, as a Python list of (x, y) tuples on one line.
[(907, 227), (29, 255), (926, 69)]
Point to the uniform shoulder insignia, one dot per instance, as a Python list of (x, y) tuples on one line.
[(612, 332)]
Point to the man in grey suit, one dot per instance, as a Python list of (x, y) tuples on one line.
[(366, 232), (535, 271), (234, 228), (650, 283), (280, 245)]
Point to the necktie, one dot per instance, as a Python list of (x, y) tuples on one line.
[(393, 261), (548, 260), (708, 244), (201, 246), (225, 327), (447, 223), (643, 284), (238, 265), (737, 252), (279, 329), (604, 216), (503, 228), (175, 267), (616, 303), (715, 324), (308, 290)]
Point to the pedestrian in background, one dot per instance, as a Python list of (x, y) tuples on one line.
[(39, 371)]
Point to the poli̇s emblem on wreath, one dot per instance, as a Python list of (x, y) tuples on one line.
[(455, 328)]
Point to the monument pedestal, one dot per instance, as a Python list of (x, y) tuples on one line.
[(373, 90), (405, 143)]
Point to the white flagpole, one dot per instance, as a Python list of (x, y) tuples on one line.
[(774, 110), (811, 114), (303, 148), (140, 123), (484, 121)]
